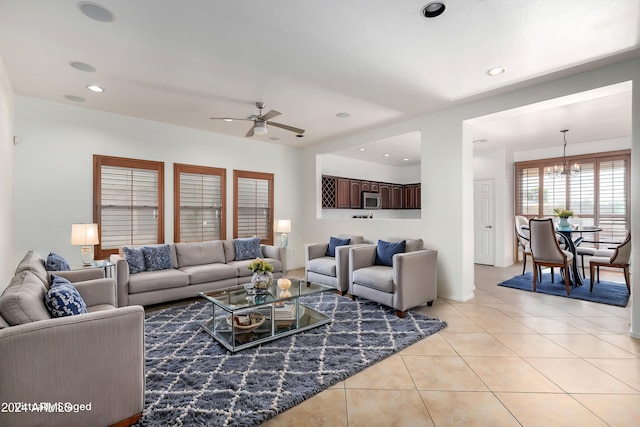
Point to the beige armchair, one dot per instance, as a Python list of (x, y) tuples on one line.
[(619, 258), (546, 251), (409, 282), (330, 270)]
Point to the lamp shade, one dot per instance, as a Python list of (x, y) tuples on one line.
[(283, 226), (84, 234)]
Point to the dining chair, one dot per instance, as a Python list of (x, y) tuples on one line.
[(619, 259), (523, 239), (546, 251)]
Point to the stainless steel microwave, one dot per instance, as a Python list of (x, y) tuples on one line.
[(371, 200)]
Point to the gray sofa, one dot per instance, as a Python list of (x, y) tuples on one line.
[(197, 267), (95, 358)]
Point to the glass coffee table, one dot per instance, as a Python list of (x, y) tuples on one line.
[(239, 321)]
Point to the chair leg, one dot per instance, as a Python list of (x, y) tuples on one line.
[(400, 314), (567, 281), (592, 270), (553, 276), (582, 263), (598, 274), (535, 275), (524, 262)]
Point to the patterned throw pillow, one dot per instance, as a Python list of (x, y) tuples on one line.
[(135, 259), (56, 263), (386, 251), (333, 242), (63, 299), (157, 257), (248, 248)]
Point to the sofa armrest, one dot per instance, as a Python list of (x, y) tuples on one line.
[(415, 275), (342, 264), (275, 252), (122, 282), (96, 292), (96, 358), (360, 256), (315, 250), (80, 275)]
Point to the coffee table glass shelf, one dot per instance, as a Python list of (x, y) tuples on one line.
[(239, 321)]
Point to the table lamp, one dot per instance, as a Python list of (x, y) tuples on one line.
[(283, 226), (85, 235)]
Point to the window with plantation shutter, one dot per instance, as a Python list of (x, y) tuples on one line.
[(128, 202), (253, 205), (199, 203), (598, 195)]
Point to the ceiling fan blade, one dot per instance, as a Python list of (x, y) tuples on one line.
[(270, 115), (286, 127), (250, 133), (228, 119)]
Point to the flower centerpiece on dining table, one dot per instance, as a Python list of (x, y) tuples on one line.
[(262, 274), (564, 216)]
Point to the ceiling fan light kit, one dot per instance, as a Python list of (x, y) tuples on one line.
[(260, 122)]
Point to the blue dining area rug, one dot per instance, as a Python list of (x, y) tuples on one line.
[(603, 292)]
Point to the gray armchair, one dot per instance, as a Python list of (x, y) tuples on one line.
[(409, 282), (329, 270), (94, 359)]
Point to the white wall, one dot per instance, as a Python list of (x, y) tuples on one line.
[(7, 255), (54, 170)]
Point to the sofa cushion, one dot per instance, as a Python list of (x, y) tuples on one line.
[(229, 250), (23, 300), (198, 253), (248, 248), (378, 277), (323, 265), (135, 259), (33, 262), (155, 280), (209, 272), (336, 241), (157, 257), (386, 250), (56, 263), (63, 299)]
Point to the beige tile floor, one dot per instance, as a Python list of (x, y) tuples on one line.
[(507, 358)]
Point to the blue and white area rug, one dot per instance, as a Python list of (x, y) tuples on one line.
[(191, 380), (603, 292)]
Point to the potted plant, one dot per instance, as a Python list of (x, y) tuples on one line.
[(262, 274), (564, 216)]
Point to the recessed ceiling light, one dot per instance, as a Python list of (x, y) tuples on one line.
[(81, 66), (228, 119), (433, 9), (95, 11), (386, 154), (405, 160), (496, 71), (343, 115), (362, 149), (74, 98), (95, 88)]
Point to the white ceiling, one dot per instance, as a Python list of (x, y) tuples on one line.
[(380, 61)]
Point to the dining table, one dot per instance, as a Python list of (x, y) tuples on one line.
[(573, 243)]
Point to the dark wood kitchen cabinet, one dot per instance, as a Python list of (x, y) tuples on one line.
[(355, 189), (396, 196), (343, 193)]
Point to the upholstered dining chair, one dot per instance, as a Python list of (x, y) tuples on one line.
[(619, 259), (546, 251), (523, 239)]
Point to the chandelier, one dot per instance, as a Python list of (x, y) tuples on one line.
[(564, 170)]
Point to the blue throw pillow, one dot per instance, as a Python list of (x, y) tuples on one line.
[(56, 263), (135, 259), (248, 248), (63, 299), (333, 242), (386, 251), (157, 257)]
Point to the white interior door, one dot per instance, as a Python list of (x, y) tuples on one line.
[(484, 234)]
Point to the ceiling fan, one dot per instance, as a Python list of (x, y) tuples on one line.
[(260, 122)]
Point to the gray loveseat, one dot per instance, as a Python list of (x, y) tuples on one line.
[(196, 267), (94, 359)]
